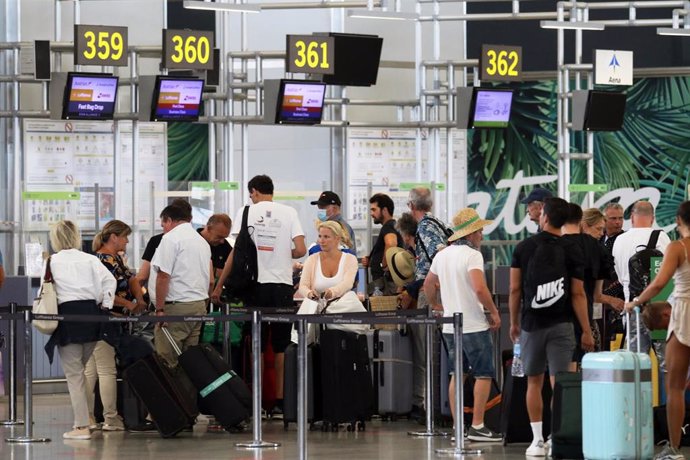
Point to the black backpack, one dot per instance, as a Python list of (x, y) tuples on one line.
[(442, 230), (244, 274), (639, 265), (547, 284)]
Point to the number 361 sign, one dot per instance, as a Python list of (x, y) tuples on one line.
[(501, 63)]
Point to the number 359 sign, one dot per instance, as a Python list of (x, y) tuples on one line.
[(501, 63)]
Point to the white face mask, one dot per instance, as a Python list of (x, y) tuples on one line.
[(321, 215)]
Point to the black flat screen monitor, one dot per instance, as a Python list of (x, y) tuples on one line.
[(605, 111), (176, 98), (89, 96), (356, 59), (300, 102), (490, 108)]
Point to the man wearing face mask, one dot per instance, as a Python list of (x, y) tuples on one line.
[(329, 209)]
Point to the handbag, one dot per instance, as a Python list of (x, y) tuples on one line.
[(46, 303), (308, 307)]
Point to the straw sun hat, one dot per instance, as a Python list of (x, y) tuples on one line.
[(401, 265), (467, 221)]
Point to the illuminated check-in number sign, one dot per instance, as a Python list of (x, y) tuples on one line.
[(187, 49), (501, 63), (310, 54), (100, 45)]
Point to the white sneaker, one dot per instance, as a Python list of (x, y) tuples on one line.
[(548, 446), (83, 434), (536, 449)]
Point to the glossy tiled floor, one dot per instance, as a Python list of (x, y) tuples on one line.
[(381, 440)]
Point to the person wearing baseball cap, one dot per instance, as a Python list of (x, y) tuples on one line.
[(458, 272), (535, 203), (329, 209)]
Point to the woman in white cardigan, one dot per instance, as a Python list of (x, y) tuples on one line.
[(331, 272)]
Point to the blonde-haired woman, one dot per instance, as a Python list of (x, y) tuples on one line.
[(82, 283), (593, 223), (329, 272), (108, 244), (676, 265)]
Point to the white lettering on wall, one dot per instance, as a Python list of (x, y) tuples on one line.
[(520, 186)]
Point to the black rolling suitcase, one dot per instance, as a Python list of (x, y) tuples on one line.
[(314, 412), (347, 392), (566, 416), (221, 392), (163, 391), (514, 418)]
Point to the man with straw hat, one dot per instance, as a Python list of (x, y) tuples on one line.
[(459, 272)]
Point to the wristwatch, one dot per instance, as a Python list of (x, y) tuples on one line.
[(636, 302)]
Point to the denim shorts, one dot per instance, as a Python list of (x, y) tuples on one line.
[(477, 353)]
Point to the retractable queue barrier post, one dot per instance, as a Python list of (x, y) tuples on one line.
[(28, 381), (13, 369), (302, 389), (429, 395), (459, 449), (256, 387), (226, 336)]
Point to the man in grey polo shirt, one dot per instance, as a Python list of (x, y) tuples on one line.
[(182, 270)]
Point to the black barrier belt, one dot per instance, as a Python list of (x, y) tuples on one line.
[(10, 316), (20, 309), (345, 318)]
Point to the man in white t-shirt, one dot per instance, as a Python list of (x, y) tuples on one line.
[(279, 239), (181, 274), (459, 272), (626, 245)]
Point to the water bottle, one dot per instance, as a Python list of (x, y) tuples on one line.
[(517, 370), (377, 292)]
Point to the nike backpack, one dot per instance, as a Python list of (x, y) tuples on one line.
[(547, 284)]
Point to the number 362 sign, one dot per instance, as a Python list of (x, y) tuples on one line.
[(501, 63)]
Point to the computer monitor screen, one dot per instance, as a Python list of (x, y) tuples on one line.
[(357, 58), (605, 111), (89, 96), (491, 108), (176, 99), (300, 102)]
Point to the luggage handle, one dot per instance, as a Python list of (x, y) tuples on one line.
[(167, 334), (637, 325)]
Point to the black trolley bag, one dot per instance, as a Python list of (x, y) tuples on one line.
[(163, 391), (347, 391), (221, 392), (566, 416), (290, 384)]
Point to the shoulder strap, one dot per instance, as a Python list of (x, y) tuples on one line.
[(48, 276), (440, 225), (245, 218), (653, 239)]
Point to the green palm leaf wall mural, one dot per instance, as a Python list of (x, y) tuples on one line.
[(187, 154), (652, 149)]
